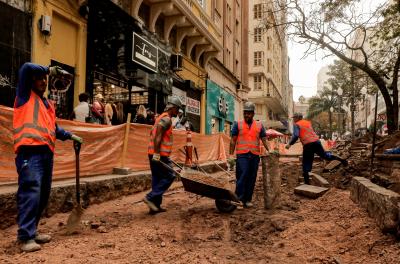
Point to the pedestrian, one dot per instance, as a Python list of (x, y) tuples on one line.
[(176, 121), (81, 111), (245, 137), (302, 129), (141, 114), (98, 108), (35, 132), (159, 150)]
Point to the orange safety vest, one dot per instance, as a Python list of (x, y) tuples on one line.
[(248, 138), (166, 141), (34, 124), (306, 134)]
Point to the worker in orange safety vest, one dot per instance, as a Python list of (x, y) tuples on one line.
[(245, 137), (34, 133), (159, 150), (302, 129)]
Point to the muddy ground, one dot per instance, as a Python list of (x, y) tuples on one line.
[(331, 229)]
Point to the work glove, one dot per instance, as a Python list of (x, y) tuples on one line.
[(77, 139), (59, 72), (156, 157), (287, 146)]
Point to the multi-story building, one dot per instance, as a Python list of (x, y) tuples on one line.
[(136, 53), (301, 106), (227, 83), (268, 64)]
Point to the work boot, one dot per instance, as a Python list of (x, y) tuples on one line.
[(248, 205), (30, 246), (343, 161), (160, 210), (42, 238), (150, 204)]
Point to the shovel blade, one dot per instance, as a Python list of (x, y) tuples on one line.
[(74, 220)]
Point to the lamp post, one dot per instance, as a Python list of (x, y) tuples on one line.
[(352, 98), (340, 93), (364, 93)]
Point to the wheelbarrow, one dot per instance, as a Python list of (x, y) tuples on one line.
[(226, 201)]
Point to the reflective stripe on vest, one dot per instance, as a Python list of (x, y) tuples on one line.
[(166, 140), (306, 134), (248, 139), (34, 123)]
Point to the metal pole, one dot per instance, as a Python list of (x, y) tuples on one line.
[(374, 133), (352, 106)]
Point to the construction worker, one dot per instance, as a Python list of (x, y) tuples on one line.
[(159, 150), (246, 135), (311, 144), (35, 132)]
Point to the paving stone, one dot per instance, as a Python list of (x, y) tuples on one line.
[(381, 204), (331, 165), (318, 180), (310, 191)]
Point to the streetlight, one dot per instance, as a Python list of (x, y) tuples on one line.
[(364, 93), (340, 93)]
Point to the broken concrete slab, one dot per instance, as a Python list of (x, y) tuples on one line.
[(122, 170), (318, 180), (310, 191), (380, 203), (332, 165)]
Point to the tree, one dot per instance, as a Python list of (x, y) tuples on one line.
[(368, 41), (325, 101)]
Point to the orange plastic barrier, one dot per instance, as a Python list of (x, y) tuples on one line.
[(102, 148)]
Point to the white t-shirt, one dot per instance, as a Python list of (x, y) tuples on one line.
[(81, 111)]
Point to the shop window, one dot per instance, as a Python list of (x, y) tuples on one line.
[(62, 92), (215, 125)]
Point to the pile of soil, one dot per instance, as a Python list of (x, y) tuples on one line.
[(331, 229)]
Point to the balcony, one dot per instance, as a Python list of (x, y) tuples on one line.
[(270, 97), (191, 22)]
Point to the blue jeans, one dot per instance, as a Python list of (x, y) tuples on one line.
[(35, 171), (308, 157), (161, 179), (246, 175)]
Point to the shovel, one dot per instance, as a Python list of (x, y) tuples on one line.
[(74, 218)]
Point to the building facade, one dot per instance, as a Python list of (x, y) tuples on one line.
[(268, 62)]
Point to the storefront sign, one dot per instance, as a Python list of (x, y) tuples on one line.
[(192, 106), (223, 106), (144, 53)]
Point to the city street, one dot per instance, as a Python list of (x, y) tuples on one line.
[(331, 229)]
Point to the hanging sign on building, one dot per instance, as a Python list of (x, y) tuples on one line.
[(144, 53), (192, 106), (223, 106)]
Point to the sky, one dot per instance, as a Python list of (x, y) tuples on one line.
[(303, 72)]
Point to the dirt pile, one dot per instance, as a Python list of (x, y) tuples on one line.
[(331, 229)]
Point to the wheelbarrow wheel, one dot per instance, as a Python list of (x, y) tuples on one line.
[(224, 206)]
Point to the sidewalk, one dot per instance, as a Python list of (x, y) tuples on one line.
[(94, 190)]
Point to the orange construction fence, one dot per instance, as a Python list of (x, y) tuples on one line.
[(102, 148)]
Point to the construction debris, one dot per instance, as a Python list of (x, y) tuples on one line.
[(310, 191)]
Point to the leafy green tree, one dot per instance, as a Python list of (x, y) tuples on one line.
[(367, 41), (325, 101)]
